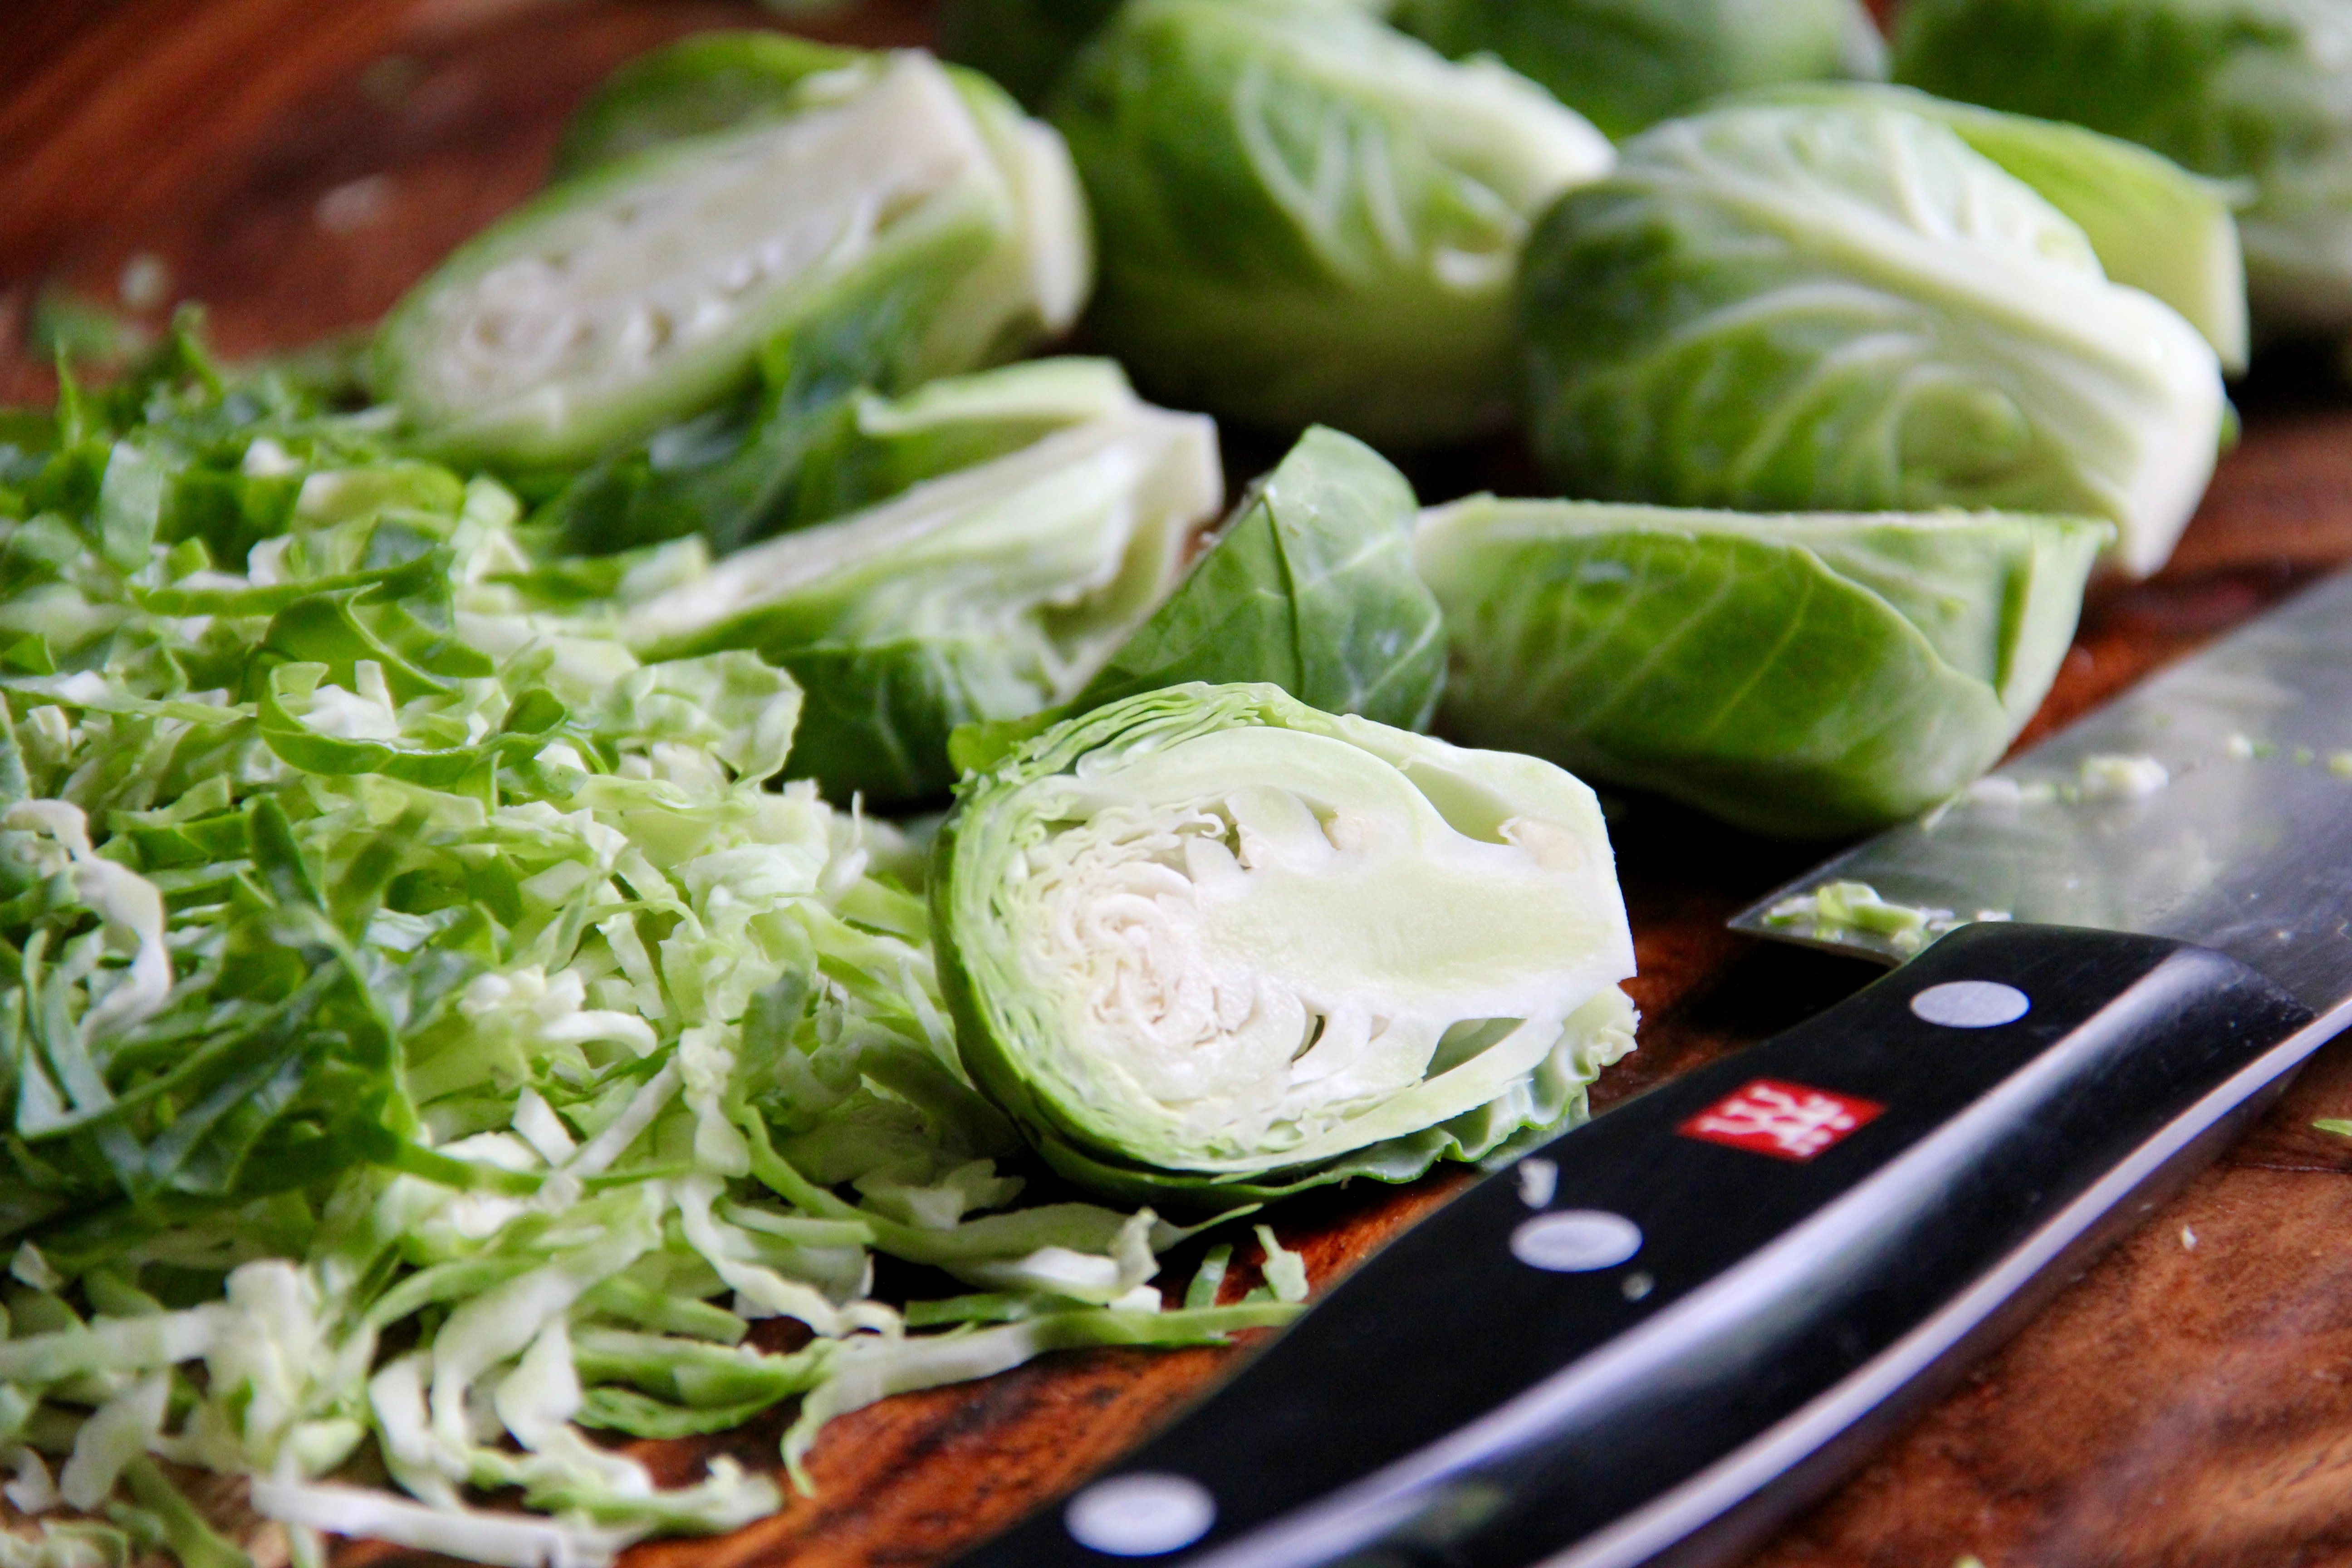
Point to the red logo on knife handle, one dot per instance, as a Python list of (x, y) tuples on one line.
[(1786, 1120)]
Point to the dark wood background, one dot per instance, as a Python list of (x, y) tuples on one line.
[(296, 164)]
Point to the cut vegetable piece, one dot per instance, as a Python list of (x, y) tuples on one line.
[(1207, 943), (2253, 90), (1800, 676), (1810, 307), (1305, 216), (878, 224), (1626, 64), (820, 448), (2153, 225), (991, 593)]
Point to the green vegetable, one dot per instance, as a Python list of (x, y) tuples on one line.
[(1309, 586), (1815, 307), (1626, 64), (1807, 676), (1305, 216), (1208, 945), (821, 448), (425, 1031), (884, 221), (2153, 225), (990, 593), (2256, 92)]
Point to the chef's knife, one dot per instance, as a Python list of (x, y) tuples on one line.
[(1675, 1325)]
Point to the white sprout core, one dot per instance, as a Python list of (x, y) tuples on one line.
[(660, 270), (1254, 941)]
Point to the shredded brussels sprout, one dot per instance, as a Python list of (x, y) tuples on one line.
[(424, 1033)]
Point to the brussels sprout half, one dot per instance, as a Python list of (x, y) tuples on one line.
[(989, 594), (887, 216), (1810, 307), (2251, 90), (1207, 945), (1800, 676), (1626, 64), (1305, 216)]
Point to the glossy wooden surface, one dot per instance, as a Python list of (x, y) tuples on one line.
[(296, 164)]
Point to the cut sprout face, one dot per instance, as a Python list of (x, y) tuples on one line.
[(1255, 948)]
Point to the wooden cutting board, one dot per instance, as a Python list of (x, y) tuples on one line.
[(2188, 1403)]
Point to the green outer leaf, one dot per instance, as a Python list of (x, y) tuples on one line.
[(1311, 587), (1627, 64), (1307, 216), (1818, 308), (1806, 676), (2234, 89), (1000, 1030), (2154, 225)]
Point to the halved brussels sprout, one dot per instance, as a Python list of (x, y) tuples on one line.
[(1626, 64), (1307, 216), (886, 217), (1800, 676), (2252, 91), (1806, 307), (784, 460), (987, 594), (2152, 223), (1206, 945)]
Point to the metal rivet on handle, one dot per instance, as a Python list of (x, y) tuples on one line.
[(1972, 1003), (1141, 1515), (1575, 1241)]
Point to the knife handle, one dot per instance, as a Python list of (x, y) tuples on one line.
[(1688, 1316)]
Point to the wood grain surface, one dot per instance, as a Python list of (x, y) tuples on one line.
[(2188, 1403)]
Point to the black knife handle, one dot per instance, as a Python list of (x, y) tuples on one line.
[(1730, 1281)]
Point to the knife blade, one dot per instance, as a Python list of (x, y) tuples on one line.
[(1679, 1323)]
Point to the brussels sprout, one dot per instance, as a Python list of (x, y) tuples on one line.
[(987, 594), (1305, 216), (1800, 676), (885, 219), (788, 458), (2152, 223), (2257, 91), (1829, 306), (1206, 945), (1627, 64)]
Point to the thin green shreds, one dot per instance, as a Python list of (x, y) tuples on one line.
[(424, 1033)]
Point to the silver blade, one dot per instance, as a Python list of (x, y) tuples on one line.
[(2246, 846)]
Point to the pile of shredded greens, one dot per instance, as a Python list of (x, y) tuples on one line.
[(424, 1032)]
